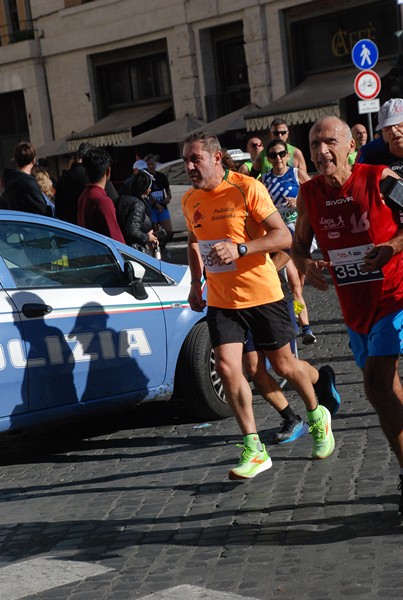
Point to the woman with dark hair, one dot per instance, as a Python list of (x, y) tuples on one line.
[(133, 214), (20, 187), (282, 182)]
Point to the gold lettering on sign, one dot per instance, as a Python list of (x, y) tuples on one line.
[(344, 41), (339, 43)]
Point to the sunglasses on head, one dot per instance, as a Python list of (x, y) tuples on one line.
[(281, 154), (283, 132)]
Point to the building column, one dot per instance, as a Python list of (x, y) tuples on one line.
[(256, 53), (184, 72)]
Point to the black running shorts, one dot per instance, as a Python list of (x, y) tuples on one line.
[(270, 324)]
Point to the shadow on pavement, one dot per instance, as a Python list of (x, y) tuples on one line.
[(99, 537), (30, 446)]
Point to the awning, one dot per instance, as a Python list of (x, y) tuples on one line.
[(53, 148), (317, 97), (170, 133), (232, 121), (117, 126)]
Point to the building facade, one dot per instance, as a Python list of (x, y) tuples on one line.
[(106, 70)]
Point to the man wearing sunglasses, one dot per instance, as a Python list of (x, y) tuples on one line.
[(279, 130), (254, 147)]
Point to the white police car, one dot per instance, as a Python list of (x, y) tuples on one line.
[(89, 324)]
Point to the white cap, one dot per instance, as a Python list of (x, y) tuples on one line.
[(140, 165), (390, 113)]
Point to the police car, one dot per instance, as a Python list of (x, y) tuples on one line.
[(89, 325)]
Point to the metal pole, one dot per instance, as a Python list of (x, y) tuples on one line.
[(370, 132)]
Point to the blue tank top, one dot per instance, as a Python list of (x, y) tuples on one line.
[(280, 188)]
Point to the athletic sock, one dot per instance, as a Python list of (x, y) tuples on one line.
[(316, 413), (252, 441), (288, 414)]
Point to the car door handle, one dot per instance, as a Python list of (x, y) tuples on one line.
[(32, 310)]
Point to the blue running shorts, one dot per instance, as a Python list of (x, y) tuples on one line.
[(159, 217), (384, 339)]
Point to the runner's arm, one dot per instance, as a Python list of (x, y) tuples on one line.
[(381, 254), (196, 301), (257, 164), (301, 249), (277, 237), (302, 175), (299, 160), (168, 196), (243, 169)]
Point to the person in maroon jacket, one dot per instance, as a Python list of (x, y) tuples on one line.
[(96, 210)]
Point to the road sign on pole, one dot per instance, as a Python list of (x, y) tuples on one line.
[(367, 85), (368, 106), (365, 54)]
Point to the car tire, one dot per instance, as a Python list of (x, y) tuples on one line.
[(197, 378)]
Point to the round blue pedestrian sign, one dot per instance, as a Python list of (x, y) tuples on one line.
[(365, 54)]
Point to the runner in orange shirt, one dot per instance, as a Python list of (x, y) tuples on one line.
[(233, 226)]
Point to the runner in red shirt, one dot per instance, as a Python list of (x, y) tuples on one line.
[(361, 238)]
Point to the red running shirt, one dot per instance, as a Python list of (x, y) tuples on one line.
[(347, 221)]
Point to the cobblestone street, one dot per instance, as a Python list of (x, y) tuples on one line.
[(142, 503)]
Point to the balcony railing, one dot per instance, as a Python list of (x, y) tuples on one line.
[(9, 34)]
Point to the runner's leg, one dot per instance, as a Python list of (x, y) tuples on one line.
[(384, 390)]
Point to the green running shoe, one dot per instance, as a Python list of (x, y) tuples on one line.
[(320, 427), (251, 463)]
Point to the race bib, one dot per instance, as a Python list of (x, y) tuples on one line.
[(288, 214), (347, 263), (205, 247)]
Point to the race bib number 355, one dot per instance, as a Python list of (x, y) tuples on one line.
[(348, 263)]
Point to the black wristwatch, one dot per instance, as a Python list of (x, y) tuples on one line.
[(242, 250)]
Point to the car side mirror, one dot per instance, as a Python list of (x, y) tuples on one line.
[(134, 274)]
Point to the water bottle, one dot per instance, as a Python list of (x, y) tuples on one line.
[(157, 252)]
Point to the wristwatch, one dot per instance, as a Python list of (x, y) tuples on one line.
[(242, 250)]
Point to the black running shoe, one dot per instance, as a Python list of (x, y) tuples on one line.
[(308, 336), (290, 431), (325, 389)]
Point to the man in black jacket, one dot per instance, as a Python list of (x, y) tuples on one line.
[(21, 190), (70, 185)]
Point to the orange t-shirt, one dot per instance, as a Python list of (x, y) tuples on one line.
[(234, 211)]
